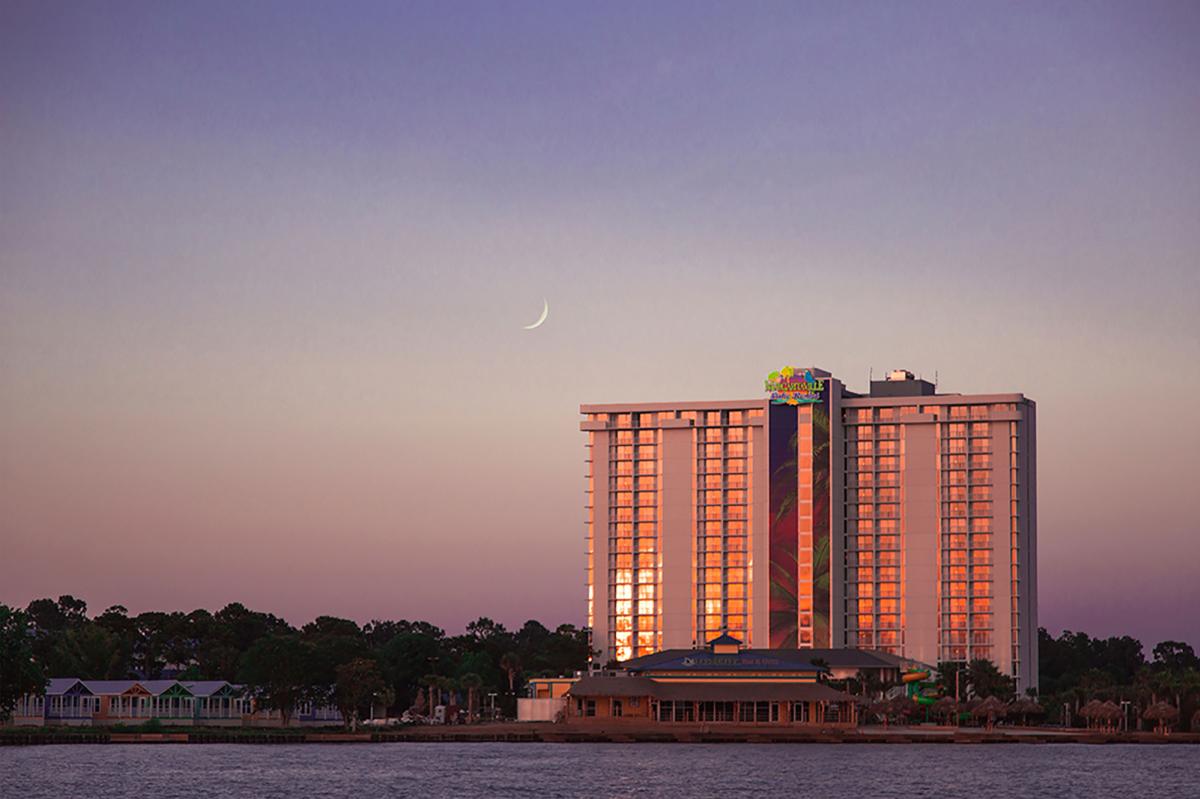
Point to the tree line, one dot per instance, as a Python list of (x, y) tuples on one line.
[(387, 666), (1075, 670), (390, 666)]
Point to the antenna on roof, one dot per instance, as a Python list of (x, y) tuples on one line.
[(870, 375), (935, 379)]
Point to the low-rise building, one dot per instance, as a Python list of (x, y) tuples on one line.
[(545, 699), (70, 701), (722, 682)]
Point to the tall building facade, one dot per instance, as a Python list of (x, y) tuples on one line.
[(900, 519)]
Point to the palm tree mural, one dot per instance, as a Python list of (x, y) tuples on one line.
[(784, 558), (782, 541)]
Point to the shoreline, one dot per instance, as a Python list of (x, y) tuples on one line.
[(560, 733)]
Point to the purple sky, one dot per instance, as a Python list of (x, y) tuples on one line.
[(264, 267)]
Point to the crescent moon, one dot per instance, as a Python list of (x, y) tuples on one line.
[(542, 318)]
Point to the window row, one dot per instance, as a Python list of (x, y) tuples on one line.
[(644, 419)]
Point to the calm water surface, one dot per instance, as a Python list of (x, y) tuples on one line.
[(905, 771)]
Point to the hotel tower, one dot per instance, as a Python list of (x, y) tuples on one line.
[(902, 520)]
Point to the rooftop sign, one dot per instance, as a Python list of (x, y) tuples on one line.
[(789, 386)]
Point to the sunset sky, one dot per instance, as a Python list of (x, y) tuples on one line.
[(264, 270)]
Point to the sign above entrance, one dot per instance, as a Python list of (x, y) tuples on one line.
[(790, 386)]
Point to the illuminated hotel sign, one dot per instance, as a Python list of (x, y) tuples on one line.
[(791, 387)]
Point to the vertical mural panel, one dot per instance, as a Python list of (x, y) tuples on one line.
[(783, 528)]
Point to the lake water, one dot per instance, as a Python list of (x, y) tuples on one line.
[(904, 771)]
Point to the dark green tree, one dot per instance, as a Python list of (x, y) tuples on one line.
[(986, 680), (90, 651), (471, 682), (1175, 656), (359, 685), (334, 641), (405, 659), (510, 663), (50, 619), (278, 672), (19, 672)]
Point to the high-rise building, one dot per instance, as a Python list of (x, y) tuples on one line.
[(902, 520)]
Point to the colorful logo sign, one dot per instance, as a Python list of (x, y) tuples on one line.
[(790, 387)]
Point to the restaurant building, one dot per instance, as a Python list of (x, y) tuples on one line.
[(720, 683), (901, 519)]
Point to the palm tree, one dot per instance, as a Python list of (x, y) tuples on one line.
[(419, 704), (448, 685), (431, 681), (472, 682), (872, 684), (510, 662)]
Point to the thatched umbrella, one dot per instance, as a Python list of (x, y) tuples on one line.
[(1025, 707), (1163, 714), (990, 709), (1112, 713), (1091, 711), (948, 707)]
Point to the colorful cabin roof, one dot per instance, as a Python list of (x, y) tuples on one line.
[(116, 687), (62, 686), (211, 688), (166, 688)]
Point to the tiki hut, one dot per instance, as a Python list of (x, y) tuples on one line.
[(896, 708), (1025, 707), (990, 709), (1163, 715), (948, 708), (1110, 714), (1091, 711)]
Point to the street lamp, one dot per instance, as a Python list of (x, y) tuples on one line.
[(492, 697)]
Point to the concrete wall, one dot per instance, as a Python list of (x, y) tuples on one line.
[(1027, 675), (600, 546), (760, 536), (1001, 551), (919, 541), (677, 538), (540, 709)]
